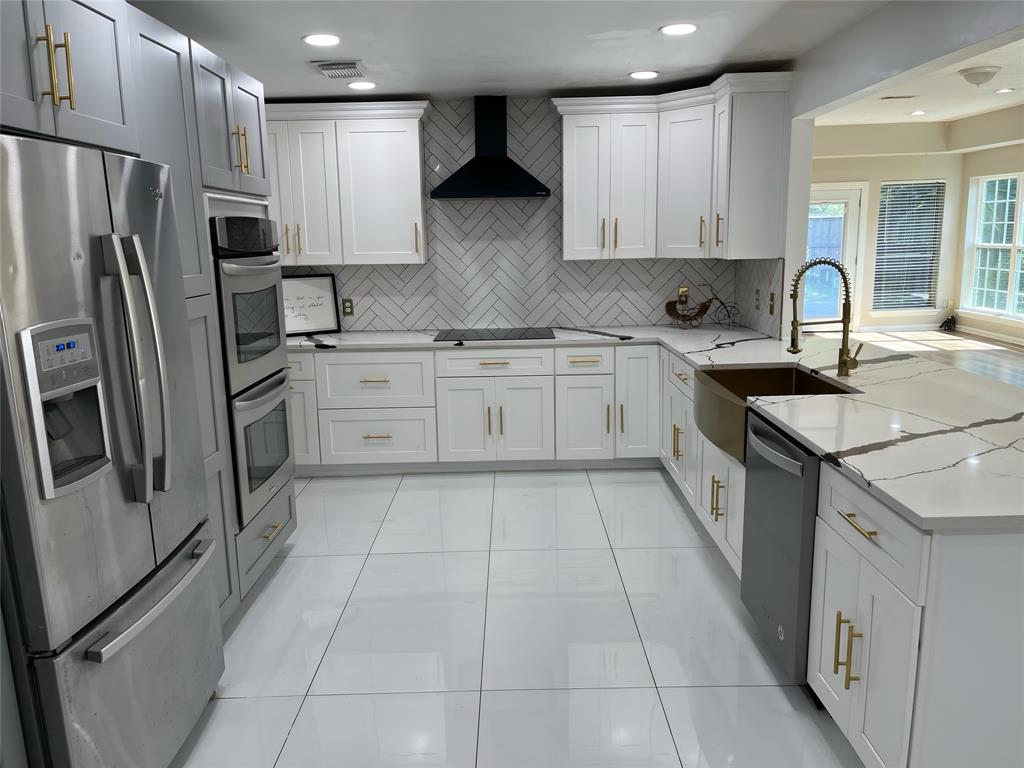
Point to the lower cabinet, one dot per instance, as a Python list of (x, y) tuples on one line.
[(719, 498), (481, 418), (304, 421), (863, 650), (377, 435), (638, 392), (584, 422)]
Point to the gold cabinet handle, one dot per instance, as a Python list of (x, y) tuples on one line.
[(382, 436), (245, 141), (494, 362), (622, 418), (298, 239), (676, 452), (615, 237), (718, 230), (603, 222), (416, 237), (237, 133), (836, 663), (501, 420), (488, 420), (716, 491), (47, 37), (608, 419), (848, 517), (287, 245), (66, 45), (275, 529), (701, 235), (682, 377), (583, 360), (849, 676), (382, 380)]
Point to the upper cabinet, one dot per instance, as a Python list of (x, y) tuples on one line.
[(610, 186), (67, 71), (693, 174), (232, 125), (347, 182)]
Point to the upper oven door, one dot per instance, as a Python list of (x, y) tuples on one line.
[(263, 444), (252, 318)]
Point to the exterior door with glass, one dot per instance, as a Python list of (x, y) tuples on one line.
[(833, 225)]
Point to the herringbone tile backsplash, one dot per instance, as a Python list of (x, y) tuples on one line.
[(498, 263)]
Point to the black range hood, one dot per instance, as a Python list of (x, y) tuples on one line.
[(491, 172)]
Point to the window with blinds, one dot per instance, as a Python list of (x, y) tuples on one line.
[(908, 243)]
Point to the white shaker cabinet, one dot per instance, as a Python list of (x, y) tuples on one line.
[(466, 417), (526, 417), (379, 171), (316, 236), (720, 498), (638, 395), (584, 422), (586, 158), (304, 422), (279, 173), (633, 185), (685, 139)]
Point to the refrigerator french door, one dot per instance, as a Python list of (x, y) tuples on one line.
[(107, 590)]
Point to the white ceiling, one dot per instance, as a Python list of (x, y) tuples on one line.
[(943, 94), (449, 49)]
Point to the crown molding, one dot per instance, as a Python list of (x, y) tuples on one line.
[(750, 82), (347, 110)]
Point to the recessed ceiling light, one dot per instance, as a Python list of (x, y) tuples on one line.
[(1005, 90), (362, 85), (678, 29), (321, 39), (644, 74), (917, 113)]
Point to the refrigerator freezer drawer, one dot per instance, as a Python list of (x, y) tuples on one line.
[(129, 692)]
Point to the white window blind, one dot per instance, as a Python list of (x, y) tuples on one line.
[(908, 243)]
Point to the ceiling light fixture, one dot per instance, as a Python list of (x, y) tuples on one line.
[(979, 75), (362, 85), (917, 112), (644, 74), (678, 29), (1005, 90), (321, 39)]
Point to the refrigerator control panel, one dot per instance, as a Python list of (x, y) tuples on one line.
[(67, 350), (63, 354)]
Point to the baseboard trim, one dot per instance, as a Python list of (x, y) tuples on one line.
[(439, 467)]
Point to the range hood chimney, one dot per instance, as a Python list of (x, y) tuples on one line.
[(491, 172)]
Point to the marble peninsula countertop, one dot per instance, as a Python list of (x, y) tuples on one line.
[(942, 446)]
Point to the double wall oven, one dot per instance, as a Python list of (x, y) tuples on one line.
[(255, 357)]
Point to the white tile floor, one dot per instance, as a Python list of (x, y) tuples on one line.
[(525, 620)]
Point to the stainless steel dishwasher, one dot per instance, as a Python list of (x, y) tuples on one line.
[(778, 543)]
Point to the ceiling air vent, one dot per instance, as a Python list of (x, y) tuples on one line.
[(339, 70)]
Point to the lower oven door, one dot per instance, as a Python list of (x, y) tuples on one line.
[(252, 318), (264, 460), (129, 691)]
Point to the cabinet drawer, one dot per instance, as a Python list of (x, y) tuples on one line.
[(896, 548), (585, 360), (375, 380), (259, 541), (680, 374), (301, 365), (495, 362), (378, 435)]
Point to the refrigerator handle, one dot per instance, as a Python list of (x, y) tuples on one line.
[(136, 261), (114, 264)]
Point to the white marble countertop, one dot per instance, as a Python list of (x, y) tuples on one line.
[(941, 446)]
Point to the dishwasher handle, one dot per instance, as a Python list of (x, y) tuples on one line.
[(785, 463)]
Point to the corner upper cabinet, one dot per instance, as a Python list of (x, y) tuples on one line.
[(685, 141), (75, 83), (381, 182)]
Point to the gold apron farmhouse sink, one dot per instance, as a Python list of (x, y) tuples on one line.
[(720, 398)]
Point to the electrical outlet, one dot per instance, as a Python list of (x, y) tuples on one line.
[(683, 293), (347, 307), (771, 303), (757, 298)]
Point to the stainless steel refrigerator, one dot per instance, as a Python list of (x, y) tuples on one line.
[(108, 594)]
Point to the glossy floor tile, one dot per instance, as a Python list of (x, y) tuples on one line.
[(559, 619), (640, 510), (545, 510), (239, 733), (393, 729), (340, 516), (280, 637), (438, 513), (415, 622), (694, 627), (563, 729), (761, 727)]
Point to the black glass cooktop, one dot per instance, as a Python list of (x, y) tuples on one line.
[(493, 334)]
